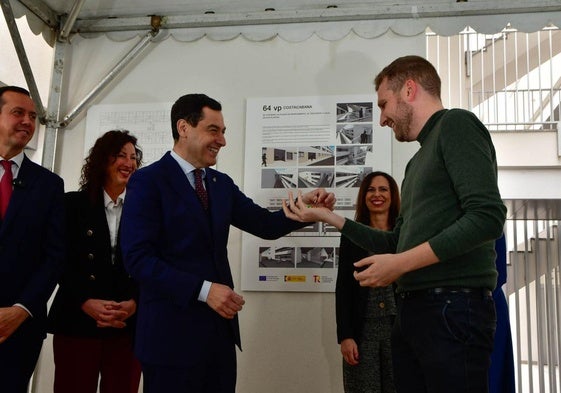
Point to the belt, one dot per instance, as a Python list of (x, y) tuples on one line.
[(483, 292)]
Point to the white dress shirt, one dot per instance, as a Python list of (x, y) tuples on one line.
[(113, 210)]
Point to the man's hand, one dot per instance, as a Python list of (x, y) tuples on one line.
[(381, 270), (349, 349), (222, 299), (107, 313), (384, 269), (10, 320)]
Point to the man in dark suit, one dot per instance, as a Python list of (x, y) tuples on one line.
[(174, 234), (31, 242)]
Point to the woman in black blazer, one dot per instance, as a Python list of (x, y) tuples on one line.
[(365, 315), (93, 313)]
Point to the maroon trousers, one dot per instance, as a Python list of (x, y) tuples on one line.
[(80, 362)]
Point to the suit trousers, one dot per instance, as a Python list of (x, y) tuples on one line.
[(79, 363), (214, 373), (18, 357)]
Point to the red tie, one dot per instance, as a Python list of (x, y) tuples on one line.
[(5, 187), (200, 189)]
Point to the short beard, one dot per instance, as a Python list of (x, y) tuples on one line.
[(403, 118)]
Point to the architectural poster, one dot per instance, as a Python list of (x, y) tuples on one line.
[(302, 143)]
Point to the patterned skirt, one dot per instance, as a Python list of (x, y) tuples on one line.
[(374, 373)]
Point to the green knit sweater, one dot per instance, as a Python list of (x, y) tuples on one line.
[(450, 198)]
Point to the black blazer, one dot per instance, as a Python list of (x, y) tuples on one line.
[(351, 298), (89, 272)]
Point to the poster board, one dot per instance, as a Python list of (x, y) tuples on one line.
[(302, 143), (149, 123)]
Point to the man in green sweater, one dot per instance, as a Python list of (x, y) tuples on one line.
[(441, 252)]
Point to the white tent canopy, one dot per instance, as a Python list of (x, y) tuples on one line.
[(293, 20)]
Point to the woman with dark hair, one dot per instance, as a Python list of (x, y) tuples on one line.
[(365, 315), (92, 316)]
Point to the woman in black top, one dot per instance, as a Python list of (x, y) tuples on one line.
[(93, 313), (365, 315)]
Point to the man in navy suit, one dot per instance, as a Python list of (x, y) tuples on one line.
[(31, 242), (174, 234)]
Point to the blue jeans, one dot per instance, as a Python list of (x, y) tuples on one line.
[(442, 342)]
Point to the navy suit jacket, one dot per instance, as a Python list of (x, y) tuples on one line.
[(32, 246), (171, 244)]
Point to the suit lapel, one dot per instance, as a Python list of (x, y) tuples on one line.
[(214, 190), (212, 222), (97, 219), (218, 194), (178, 182), (23, 186)]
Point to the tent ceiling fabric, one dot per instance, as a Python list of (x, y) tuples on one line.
[(292, 20)]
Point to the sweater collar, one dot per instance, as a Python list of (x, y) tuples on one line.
[(429, 125)]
